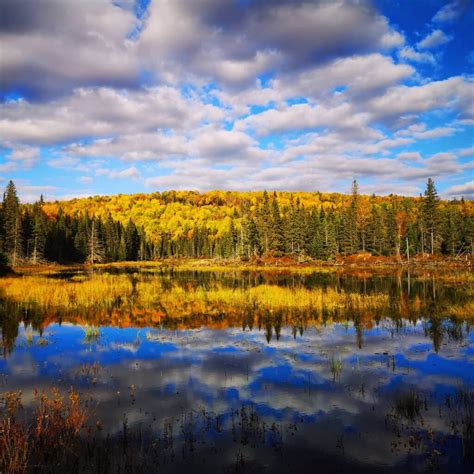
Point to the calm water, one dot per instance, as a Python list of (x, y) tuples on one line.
[(249, 372)]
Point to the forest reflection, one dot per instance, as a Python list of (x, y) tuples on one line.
[(267, 301)]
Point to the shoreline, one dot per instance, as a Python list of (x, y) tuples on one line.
[(351, 263)]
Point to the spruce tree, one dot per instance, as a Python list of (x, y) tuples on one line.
[(12, 235), (112, 239), (38, 239), (95, 245), (351, 238), (132, 241), (277, 242), (430, 215)]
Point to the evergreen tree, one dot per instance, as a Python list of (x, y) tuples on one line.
[(350, 222), (253, 239), (112, 239), (38, 238), (81, 238), (430, 216), (277, 242), (95, 245), (263, 221), (132, 241), (12, 235)]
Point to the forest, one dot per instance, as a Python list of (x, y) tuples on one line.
[(245, 226)]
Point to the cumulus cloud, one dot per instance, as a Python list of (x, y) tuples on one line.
[(465, 190), (415, 56), (62, 45), (467, 151), (20, 158), (409, 156), (131, 173), (434, 39), (102, 112), (455, 93), (225, 41), (32, 193), (451, 11), (221, 94)]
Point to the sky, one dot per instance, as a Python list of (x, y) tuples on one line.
[(125, 96)]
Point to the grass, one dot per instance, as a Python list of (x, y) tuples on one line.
[(141, 299), (91, 333), (56, 425), (336, 368), (408, 405), (29, 335)]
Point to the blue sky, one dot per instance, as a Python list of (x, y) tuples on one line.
[(128, 96)]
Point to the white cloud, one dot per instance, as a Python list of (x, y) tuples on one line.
[(131, 173), (102, 112), (20, 157), (360, 75), (454, 94), (465, 190), (466, 151), (304, 116), (32, 193), (24, 156), (231, 44), (415, 56), (409, 157), (434, 39), (61, 45), (421, 131), (450, 11), (335, 99), (85, 179)]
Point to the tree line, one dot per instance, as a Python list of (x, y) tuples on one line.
[(29, 235), (249, 226)]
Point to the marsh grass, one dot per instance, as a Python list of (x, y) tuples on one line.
[(336, 365), (461, 417), (55, 437), (140, 297), (40, 439), (29, 335), (91, 333), (408, 405)]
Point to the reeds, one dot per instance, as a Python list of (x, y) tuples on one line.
[(91, 333), (55, 425), (336, 368)]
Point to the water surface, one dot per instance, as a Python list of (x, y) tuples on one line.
[(254, 372)]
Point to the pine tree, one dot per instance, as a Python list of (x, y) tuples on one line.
[(95, 245), (112, 239), (277, 242), (253, 239), (12, 236), (350, 222), (451, 230), (430, 215), (38, 240), (81, 237), (132, 241), (263, 221)]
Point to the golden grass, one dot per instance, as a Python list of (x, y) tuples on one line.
[(140, 299)]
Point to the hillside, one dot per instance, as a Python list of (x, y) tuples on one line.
[(235, 225), (178, 215)]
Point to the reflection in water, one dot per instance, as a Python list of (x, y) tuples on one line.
[(253, 372)]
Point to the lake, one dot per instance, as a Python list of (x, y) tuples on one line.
[(239, 371)]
